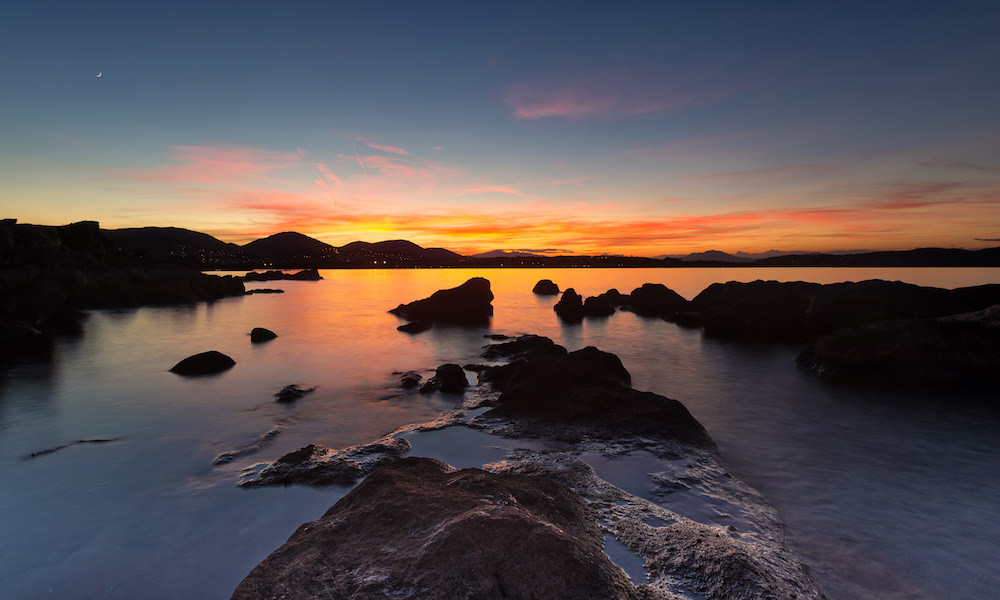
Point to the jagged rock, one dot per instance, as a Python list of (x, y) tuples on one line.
[(590, 387), (260, 334), (656, 300), (421, 529), (546, 287), (449, 378), (318, 465), (416, 326), (205, 363), (595, 306), (291, 393), (467, 304), (261, 441), (958, 348), (570, 307)]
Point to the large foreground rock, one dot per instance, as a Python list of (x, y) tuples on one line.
[(588, 387), (420, 529), (958, 348), (467, 304), (570, 307)]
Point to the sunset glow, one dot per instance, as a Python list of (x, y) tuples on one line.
[(639, 131)]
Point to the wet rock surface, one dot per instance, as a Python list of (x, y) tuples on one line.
[(204, 363), (262, 440), (318, 465), (421, 529), (955, 349), (416, 327), (467, 304)]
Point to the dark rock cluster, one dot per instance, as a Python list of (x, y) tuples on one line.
[(553, 387), (303, 275)]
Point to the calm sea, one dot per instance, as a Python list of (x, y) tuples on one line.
[(888, 495)]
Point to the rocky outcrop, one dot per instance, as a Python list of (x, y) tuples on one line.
[(588, 387), (570, 307), (467, 304), (656, 300), (771, 311), (318, 465), (261, 334), (303, 275), (205, 363), (421, 529), (546, 287), (955, 349), (449, 378)]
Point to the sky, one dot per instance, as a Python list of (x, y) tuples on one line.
[(635, 128)]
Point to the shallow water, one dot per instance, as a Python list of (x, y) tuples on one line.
[(889, 495)]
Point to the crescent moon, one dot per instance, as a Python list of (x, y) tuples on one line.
[(99, 73)]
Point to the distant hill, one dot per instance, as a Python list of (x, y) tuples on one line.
[(162, 239), (921, 257), (505, 254), (398, 252), (716, 255), (177, 245), (290, 246)]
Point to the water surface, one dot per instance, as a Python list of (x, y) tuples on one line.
[(889, 495)]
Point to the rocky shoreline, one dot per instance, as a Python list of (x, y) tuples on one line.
[(533, 524), (48, 275)]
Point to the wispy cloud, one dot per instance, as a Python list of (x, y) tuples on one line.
[(953, 163), (494, 189)]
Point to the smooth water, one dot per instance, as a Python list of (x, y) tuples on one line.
[(888, 495)]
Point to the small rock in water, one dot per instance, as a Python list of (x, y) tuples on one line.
[(291, 393), (570, 307), (410, 379), (205, 363), (259, 334), (449, 378), (546, 287)]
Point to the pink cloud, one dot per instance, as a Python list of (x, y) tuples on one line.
[(608, 95), (385, 148), (494, 189)]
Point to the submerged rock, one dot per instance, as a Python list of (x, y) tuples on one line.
[(303, 275), (260, 334), (958, 348), (570, 307), (318, 465), (410, 379), (416, 326), (421, 529), (449, 378), (291, 393), (546, 287), (467, 304), (205, 363)]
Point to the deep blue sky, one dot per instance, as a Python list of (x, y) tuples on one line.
[(640, 128)]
